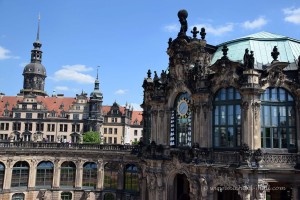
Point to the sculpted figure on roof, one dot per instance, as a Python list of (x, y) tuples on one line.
[(182, 15)]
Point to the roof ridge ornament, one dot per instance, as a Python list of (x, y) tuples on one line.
[(225, 50), (195, 32), (275, 53), (203, 33), (182, 15)]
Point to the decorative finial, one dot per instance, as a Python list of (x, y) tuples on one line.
[(182, 15), (97, 71), (38, 31), (202, 33), (170, 42), (155, 76), (149, 73), (225, 49), (195, 32), (275, 53)]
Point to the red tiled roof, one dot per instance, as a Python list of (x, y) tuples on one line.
[(137, 115)]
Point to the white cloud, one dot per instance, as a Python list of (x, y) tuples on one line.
[(73, 73), (121, 92), (292, 15), (217, 31), (61, 88), (257, 23), (4, 54), (172, 28)]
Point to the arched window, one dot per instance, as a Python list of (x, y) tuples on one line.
[(227, 118), (89, 177), (18, 196), (67, 174), (111, 175), (66, 196), (181, 122), (20, 174), (278, 119), (44, 174), (131, 178), (2, 171)]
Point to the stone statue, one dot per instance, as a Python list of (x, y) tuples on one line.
[(182, 15)]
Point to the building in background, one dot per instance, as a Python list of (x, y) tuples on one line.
[(32, 115)]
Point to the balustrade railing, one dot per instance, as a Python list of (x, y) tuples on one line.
[(70, 146)]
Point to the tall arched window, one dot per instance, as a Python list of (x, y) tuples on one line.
[(89, 177), (278, 119), (227, 118), (181, 121), (20, 174), (131, 178), (111, 175), (44, 174), (67, 174), (2, 171)]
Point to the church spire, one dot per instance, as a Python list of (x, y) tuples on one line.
[(38, 31), (35, 73), (97, 93), (36, 53)]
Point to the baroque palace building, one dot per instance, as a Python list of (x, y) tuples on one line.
[(221, 123)]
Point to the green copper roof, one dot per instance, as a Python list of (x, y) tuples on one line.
[(262, 45)]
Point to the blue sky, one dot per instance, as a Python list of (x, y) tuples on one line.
[(124, 38)]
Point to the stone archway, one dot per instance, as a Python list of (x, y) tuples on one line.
[(181, 187)]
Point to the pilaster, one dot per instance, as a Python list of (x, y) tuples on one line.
[(56, 174), (79, 174), (8, 175), (100, 175)]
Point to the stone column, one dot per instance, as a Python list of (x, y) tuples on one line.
[(154, 129), (8, 175), (79, 174), (161, 127), (56, 174), (296, 192), (32, 174), (100, 175)]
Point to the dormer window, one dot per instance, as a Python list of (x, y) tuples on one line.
[(52, 113)]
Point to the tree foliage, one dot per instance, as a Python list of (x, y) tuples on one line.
[(91, 137)]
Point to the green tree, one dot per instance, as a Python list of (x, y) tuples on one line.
[(91, 137)]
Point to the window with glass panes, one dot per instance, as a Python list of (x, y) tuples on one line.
[(111, 175), (2, 171), (67, 174), (131, 178), (181, 122), (89, 177), (18, 196), (227, 118), (278, 119), (44, 174), (20, 174), (66, 196)]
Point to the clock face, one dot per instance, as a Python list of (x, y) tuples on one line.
[(182, 107)]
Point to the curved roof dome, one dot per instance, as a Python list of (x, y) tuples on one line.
[(262, 45), (36, 68)]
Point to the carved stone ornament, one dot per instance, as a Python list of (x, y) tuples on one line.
[(256, 108)]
